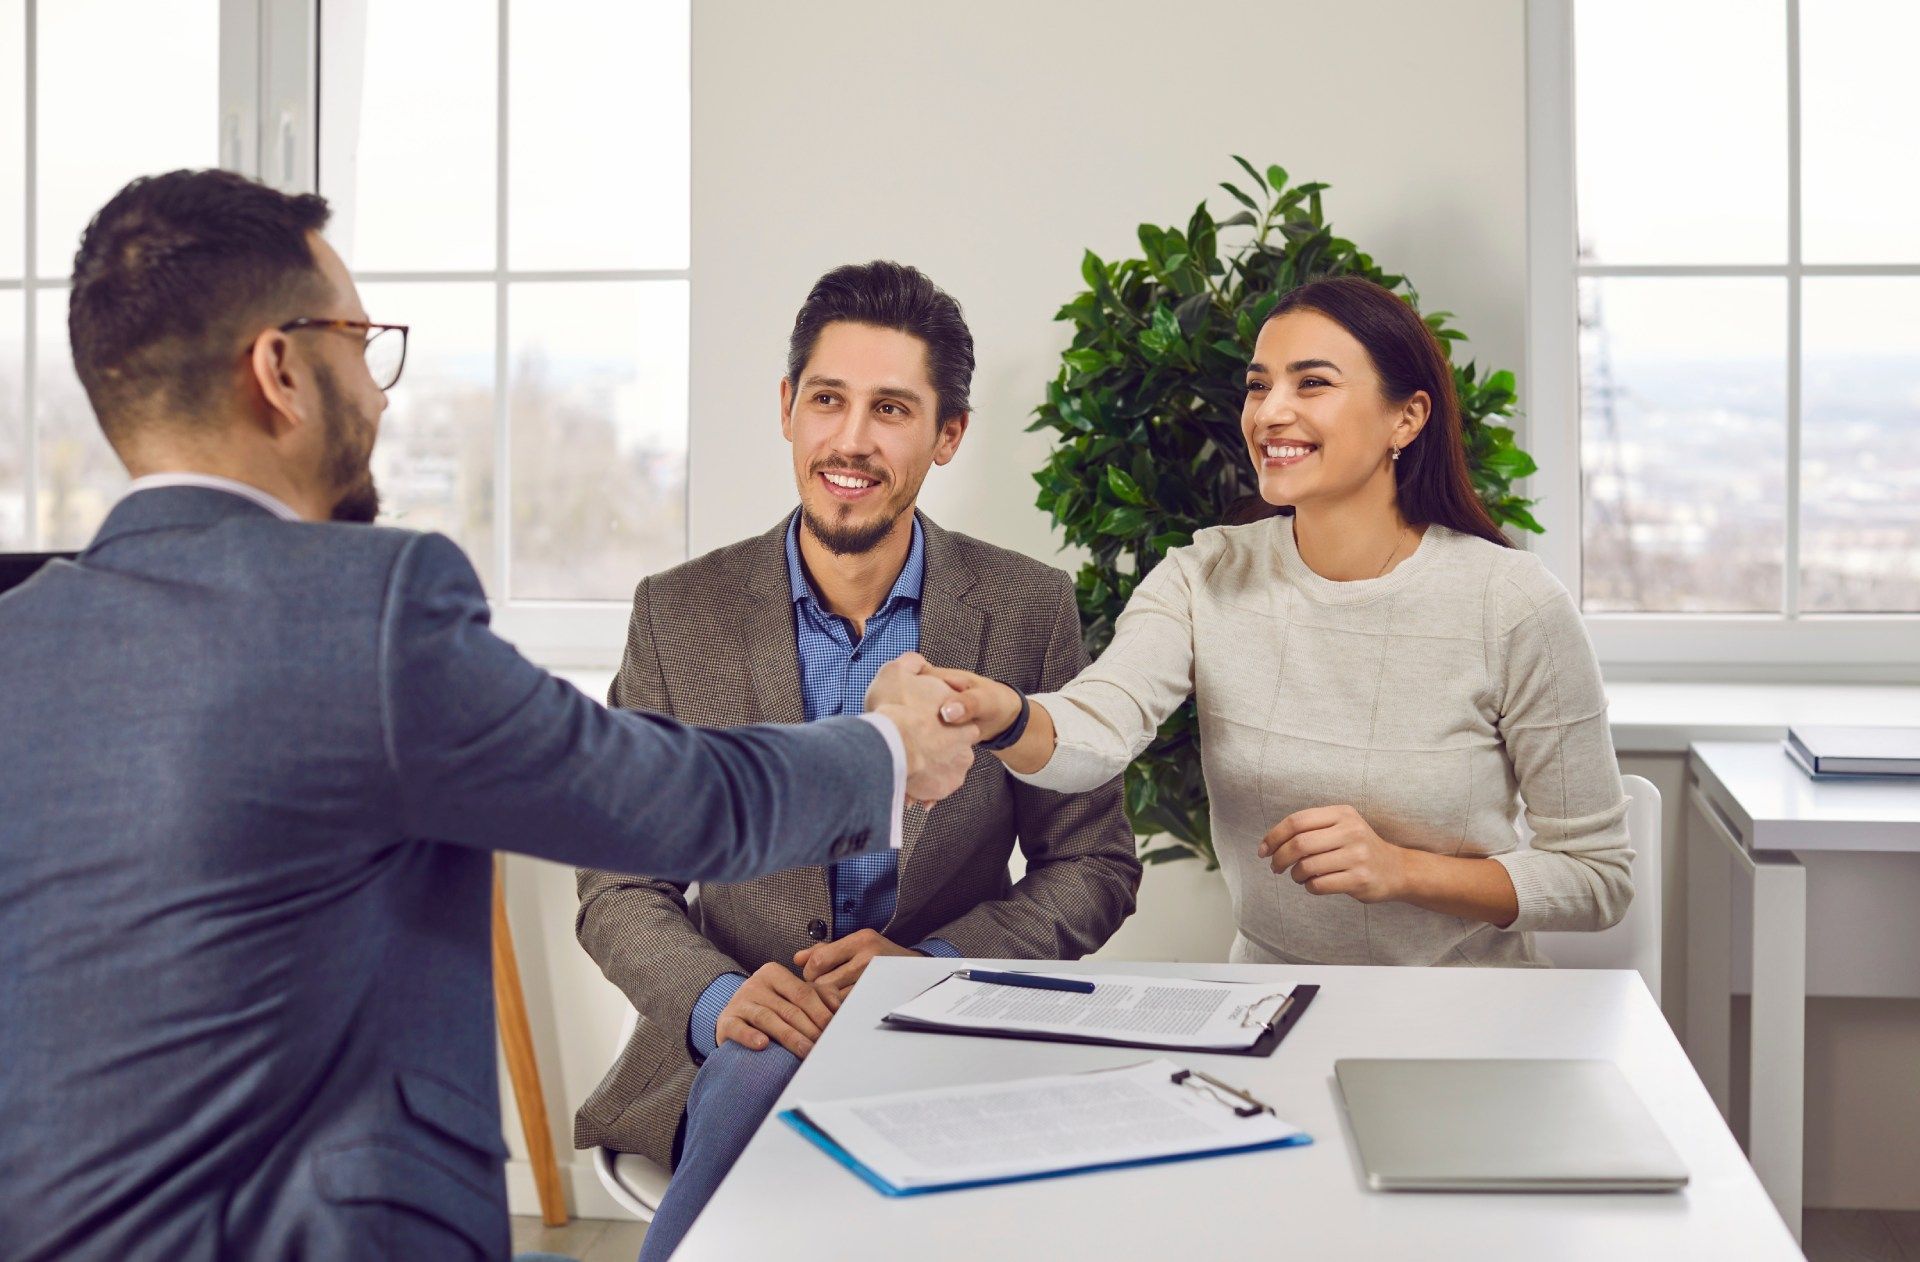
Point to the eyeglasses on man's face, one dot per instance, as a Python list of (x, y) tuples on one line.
[(386, 344)]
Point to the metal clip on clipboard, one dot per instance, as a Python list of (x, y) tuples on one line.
[(1272, 1018), (1207, 1083)]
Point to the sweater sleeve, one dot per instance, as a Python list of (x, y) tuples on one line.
[(1112, 710), (1553, 718)]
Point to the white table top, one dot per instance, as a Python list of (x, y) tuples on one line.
[(1665, 717), (787, 1199), (1774, 805)]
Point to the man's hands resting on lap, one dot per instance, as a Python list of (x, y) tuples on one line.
[(774, 1006), (835, 966)]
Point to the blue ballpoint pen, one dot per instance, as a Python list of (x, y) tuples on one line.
[(1032, 981)]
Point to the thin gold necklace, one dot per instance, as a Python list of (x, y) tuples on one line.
[(1398, 539)]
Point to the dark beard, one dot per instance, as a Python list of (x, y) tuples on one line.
[(345, 465), (847, 540), (361, 505)]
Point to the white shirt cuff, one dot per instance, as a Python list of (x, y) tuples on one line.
[(899, 750)]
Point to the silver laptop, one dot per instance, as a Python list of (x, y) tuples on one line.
[(1504, 1126)]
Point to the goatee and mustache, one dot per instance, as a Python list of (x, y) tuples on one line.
[(348, 463), (843, 538)]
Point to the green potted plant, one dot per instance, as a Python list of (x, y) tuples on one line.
[(1146, 414)]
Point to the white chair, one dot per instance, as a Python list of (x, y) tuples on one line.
[(1635, 941), (630, 1179)]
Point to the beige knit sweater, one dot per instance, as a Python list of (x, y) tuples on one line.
[(1425, 699)]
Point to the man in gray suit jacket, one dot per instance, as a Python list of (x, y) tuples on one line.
[(735, 987), (252, 764)]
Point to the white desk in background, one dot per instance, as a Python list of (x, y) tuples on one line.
[(1754, 814), (786, 1199)]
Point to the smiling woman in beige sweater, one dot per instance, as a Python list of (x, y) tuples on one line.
[(1378, 676)]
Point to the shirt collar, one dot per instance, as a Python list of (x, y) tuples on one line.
[(908, 587), (213, 482)]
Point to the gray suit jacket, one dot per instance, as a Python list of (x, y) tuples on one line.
[(712, 642), (244, 1004)]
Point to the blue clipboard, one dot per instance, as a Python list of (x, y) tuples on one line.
[(827, 1144)]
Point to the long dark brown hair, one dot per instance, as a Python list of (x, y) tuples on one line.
[(1431, 476)]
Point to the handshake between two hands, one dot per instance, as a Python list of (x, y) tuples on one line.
[(941, 715)]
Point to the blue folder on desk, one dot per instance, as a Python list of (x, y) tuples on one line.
[(1217, 1120)]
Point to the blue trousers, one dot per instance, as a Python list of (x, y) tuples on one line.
[(732, 1094)]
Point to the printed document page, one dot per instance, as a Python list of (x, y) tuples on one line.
[(1164, 1011), (920, 1139)]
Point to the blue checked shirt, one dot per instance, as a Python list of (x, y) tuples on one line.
[(835, 670)]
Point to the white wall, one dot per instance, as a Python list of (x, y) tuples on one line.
[(989, 144)]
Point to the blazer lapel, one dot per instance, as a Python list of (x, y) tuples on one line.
[(952, 633), (773, 659), (773, 663)]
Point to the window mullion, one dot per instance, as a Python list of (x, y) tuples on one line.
[(1746, 269), (242, 62), (29, 293), (531, 277), (1680, 269), (502, 411), (1790, 587), (269, 84), (1552, 383)]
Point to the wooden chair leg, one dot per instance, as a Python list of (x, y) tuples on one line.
[(517, 1039)]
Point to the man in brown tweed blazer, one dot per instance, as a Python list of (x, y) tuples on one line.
[(735, 986)]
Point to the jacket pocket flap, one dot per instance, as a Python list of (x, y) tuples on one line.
[(390, 1175), (646, 1058), (452, 1112)]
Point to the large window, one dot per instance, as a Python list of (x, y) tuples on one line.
[(1726, 285), (508, 177), (511, 180), (92, 92)]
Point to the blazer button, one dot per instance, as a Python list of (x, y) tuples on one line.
[(817, 930)]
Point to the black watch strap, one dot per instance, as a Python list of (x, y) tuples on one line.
[(1018, 728)]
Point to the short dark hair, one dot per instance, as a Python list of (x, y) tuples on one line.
[(891, 296), (171, 273)]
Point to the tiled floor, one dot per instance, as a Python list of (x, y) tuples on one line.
[(1831, 1235), (587, 1239)]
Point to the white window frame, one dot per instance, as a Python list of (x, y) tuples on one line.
[(29, 284), (1791, 645), (267, 85)]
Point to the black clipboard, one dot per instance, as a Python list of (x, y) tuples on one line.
[(1278, 1028)]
